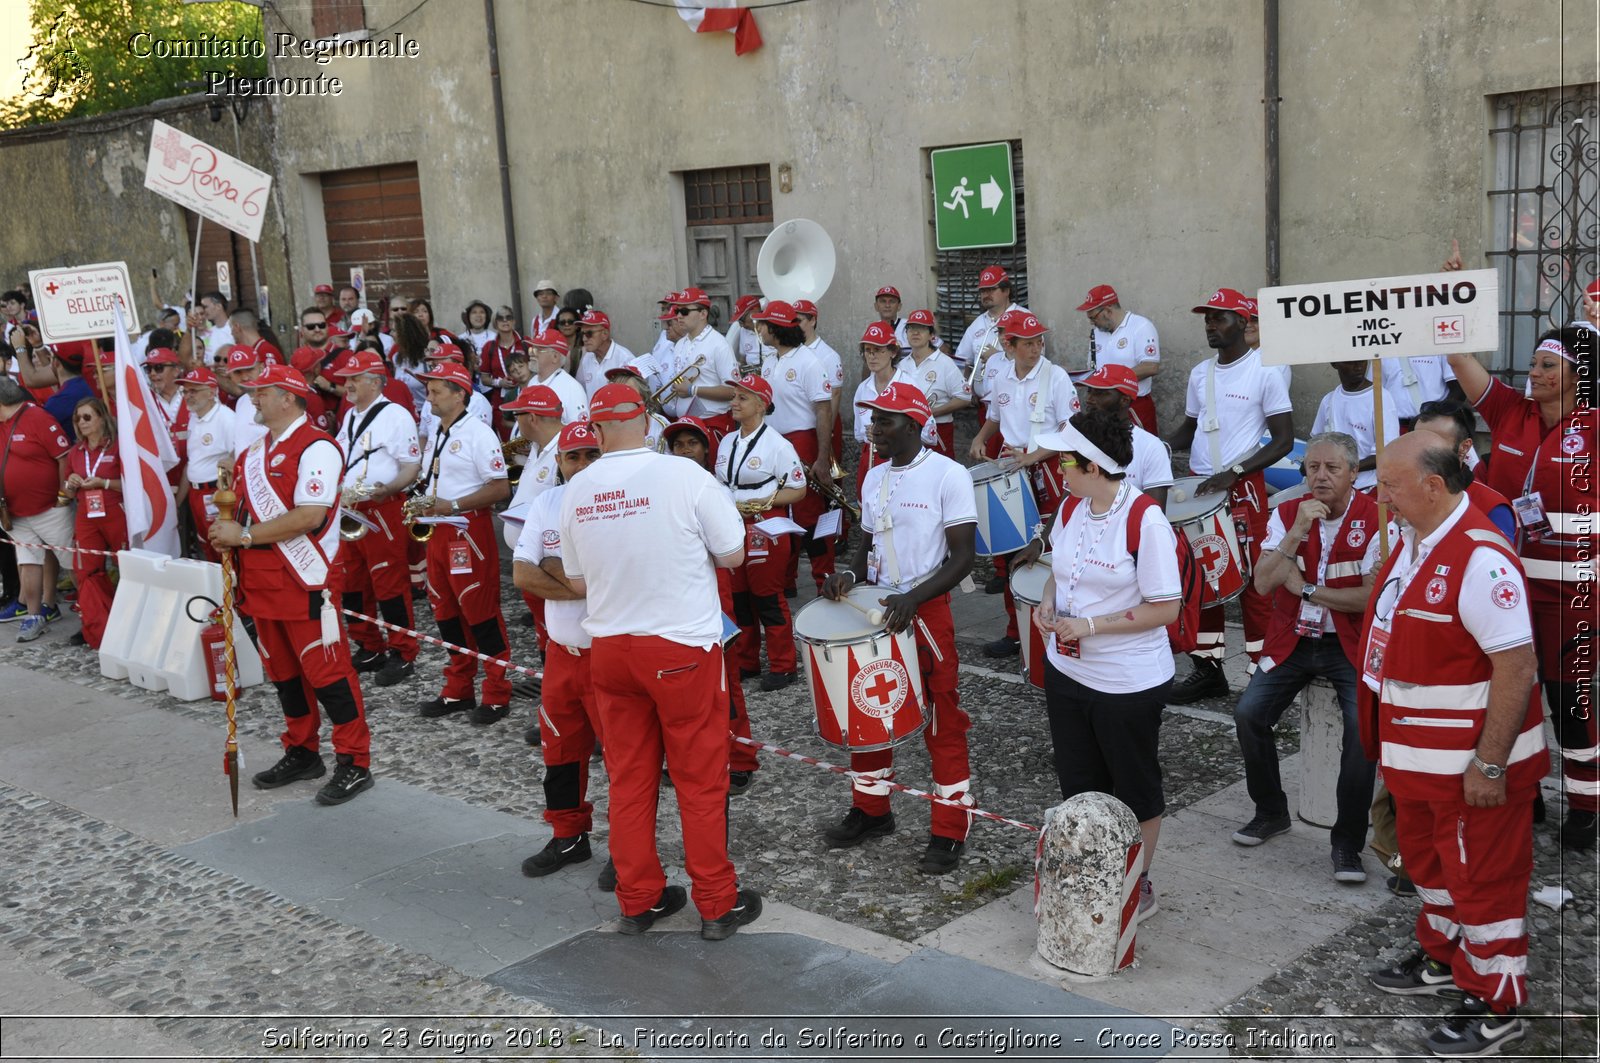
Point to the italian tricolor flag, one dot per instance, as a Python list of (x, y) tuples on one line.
[(710, 16)]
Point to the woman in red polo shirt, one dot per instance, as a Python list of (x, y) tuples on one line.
[(95, 482)]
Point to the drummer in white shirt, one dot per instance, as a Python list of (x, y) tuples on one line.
[(210, 441), (703, 396), (600, 351), (1348, 408), (919, 525), (1414, 381), (935, 374)]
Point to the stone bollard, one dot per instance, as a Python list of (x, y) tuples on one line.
[(1086, 888), (1321, 747)]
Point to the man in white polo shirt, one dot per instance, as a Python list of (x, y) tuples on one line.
[(656, 658), (242, 366), (741, 335), (919, 526), (701, 346), (1123, 338), (933, 373), (549, 357), (209, 442), (600, 351), (1349, 408), (1414, 381)]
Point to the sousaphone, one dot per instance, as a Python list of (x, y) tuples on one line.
[(796, 262)]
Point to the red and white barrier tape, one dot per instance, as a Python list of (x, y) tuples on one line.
[(452, 647), (69, 549)]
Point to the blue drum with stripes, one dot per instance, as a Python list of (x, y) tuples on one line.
[(1007, 512)]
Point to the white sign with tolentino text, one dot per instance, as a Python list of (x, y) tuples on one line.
[(1382, 317), (211, 183), (79, 302)]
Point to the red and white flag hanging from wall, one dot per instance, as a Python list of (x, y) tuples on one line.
[(711, 16)]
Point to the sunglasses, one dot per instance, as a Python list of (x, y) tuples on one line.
[(314, 324), (1068, 461), (84, 418), (685, 311), (504, 317), (590, 333)]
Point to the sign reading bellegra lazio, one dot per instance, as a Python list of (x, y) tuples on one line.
[(973, 203), (1382, 317), (211, 183), (79, 302)]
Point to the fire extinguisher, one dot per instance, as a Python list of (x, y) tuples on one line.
[(213, 646)]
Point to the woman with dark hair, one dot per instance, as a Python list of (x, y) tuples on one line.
[(410, 356), (477, 318), (422, 311), (95, 481), (1544, 454), (1113, 588), (879, 362), (566, 323)]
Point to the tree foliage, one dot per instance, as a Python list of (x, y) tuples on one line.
[(89, 56)]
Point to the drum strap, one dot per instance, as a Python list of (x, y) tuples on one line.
[(1211, 426), (884, 537), (1408, 377)]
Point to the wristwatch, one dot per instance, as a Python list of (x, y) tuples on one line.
[(455, 505), (245, 539), (1490, 771), (1237, 470), (1307, 591)]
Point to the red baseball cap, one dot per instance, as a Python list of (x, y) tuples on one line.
[(879, 334), (900, 397), (778, 312), (615, 402), (1019, 324), (921, 317), (1255, 309), (549, 340), (1226, 299), (693, 297), (888, 289), (161, 356), (450, 373), (307, 359), (992, 277), (1100, 295), (744, 305), (448, 352), (755, 385), (280, 376), (806, 307), (595, 317), (537, 399), (687, 424), (1593, 291), (1113, 377), (361, 362), (577, 436), (322, 289), (240, 357), (198, 377)]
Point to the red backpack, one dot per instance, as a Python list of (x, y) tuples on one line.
[(1183, 633)]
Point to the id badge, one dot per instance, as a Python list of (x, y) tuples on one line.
[(94, 502), (1065, 648), (1372, 669), (1308, 625), (1530, 515), (872, 565), (756, 545), (209, 506), (460, 559)]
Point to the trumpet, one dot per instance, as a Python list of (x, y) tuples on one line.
[(414, 507), (830, 490), (350, 529), (691, 373), (754, 507)]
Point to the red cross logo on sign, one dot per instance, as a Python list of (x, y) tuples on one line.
[(52, 287), (172, 149)]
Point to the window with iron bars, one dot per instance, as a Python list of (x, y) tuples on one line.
[(956, 272), (730, 195), (1545, 224)]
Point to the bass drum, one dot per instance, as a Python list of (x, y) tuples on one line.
[(865, 683)]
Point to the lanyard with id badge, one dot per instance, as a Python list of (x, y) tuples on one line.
[(1312, 619), (1529, 506), (94, 499), (1080, 563)]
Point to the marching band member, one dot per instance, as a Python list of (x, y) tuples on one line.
[(477, 406), (600, 352), (1118, 337), (1348, 408), (382, 457), (879, 359), (287, 522), (704, 348), (919, 524), (765, 475), (210, 441), (671, 326), (803, 411), (637, 378), (570, 723), (549, 356), (464, 475), (805, 312), (935, 374), (99, 523), (1113, 388), (1030, 395), (1232, 400), (746, 345), (982, 338), (657, 665), (242, 366), (829, 440), (539, 417), (886, 301)]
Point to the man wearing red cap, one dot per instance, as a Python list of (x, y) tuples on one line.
[(1030, 396), (382, 457), (982, 337), (933, 373), (538, 413), (886, 301), (741, 335), (1232, 400), (1122, 338), (162, 367), (464, 475), (240, 366), (600, 351), (1114, 388), (549, 357), (671, 326), (287, 523), (324, 299), (33, 468), (209, 444), (919, 525), (703, 347), (566, 696), (657, 663)]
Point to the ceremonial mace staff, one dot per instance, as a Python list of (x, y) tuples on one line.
[(226, 502)]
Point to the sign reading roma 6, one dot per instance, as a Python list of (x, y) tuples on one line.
[(209, 182)]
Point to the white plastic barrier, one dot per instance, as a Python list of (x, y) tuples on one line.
[(150, 639)]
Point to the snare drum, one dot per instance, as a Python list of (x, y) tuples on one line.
[(1007, 513), (1212, 539), (864, 682), (730, 629), (1285, 472), (1027, 587)]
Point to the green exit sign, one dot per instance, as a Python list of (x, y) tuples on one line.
[(973, 201)]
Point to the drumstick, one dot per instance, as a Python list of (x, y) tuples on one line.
[(873, 615)]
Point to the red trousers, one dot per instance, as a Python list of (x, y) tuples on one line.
[(947, 438), (1047, 492), (740, 756), (1143, 411), (304, 670), (109, 532), (375, 568), (806, 513), (1248, 504), (945, 735), (759, 604), (202, 523), (1471, 867), (659, 697), (464, 602), (568, 727)]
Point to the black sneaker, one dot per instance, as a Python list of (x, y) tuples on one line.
[(77, 639), (996, 585), (557, 855), (857, 827), (608, 877), (777, 680), (739, 782), (396, 669), (747, 674), (419, 593), (1260, 829), (1417, 975), (1347, 867), (746, 909), (526, 688), (941, 856), (531, 735), (673, 898), (1205, 681), (1578, 832), (1474, 1029), (348, 780), (1401, 886), (484, 715), (1001, 647), (367, 660), (442, 706), (791, 593), (298, 763)]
